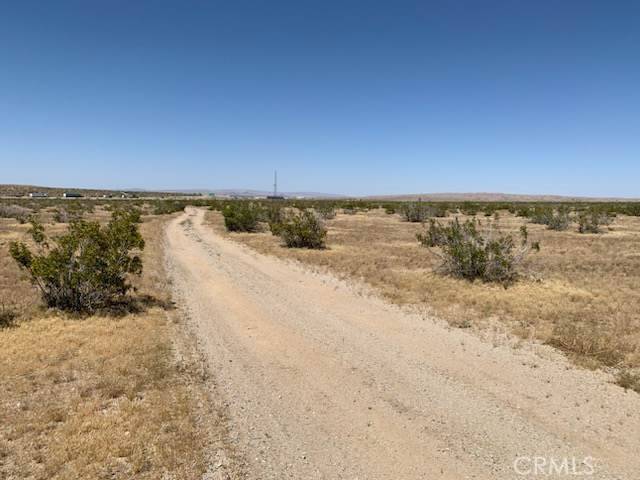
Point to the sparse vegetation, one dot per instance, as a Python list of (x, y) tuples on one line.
[(116, 397), (7, 316), (469, 252), (586, 282), (87, 267), (559, 220), (433, 236), (242, 217), (591, 221), (420, 212), (303, 230), (15, 211), (325, 211)]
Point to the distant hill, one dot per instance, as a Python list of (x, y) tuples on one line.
[(24, 190), (494, 197)]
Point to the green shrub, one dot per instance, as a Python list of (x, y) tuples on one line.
[(433, 236), (541, 215), (325, 211), (166, 207), (524, 212), (86, 268), (303, 230), (467, 252), (420, 212), (469, 208), (559, 220), (242, 217), (590, 221), (274, 216)]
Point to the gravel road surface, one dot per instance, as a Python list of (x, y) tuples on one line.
[(322, 382)]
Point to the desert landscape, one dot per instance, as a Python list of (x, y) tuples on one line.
[(338, 240), (231, 343)]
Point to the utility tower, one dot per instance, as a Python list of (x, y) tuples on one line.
[(275, 183), (275, 195)]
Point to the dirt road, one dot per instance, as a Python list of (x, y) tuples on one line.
[(321, 382)]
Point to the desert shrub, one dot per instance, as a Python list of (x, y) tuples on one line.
[(62, 215), (433, 236), (274, 215), (86, 268), (21, 214), (469, 208), (467, 252), (420, 212), (7, 316), (303, 230), (390, 209), (632, 209), (166, 207), (524, 212), (242, 217), (325, 211), (349, 210), (591, 221), (541, 215), (559, 220)]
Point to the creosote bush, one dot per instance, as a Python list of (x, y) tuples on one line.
[(468, 252), (559, 220), (325, 211), (87, 267), (433, 236), (420, 212), (242, 217), (303, 230), (591, 221)]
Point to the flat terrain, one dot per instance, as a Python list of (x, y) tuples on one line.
[(579, 293), (102, 396), (323, 382)]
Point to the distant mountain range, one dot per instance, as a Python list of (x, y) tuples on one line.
[(494, 197), (24, 190)]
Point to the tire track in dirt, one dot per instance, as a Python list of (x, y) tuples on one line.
[(321, 382)]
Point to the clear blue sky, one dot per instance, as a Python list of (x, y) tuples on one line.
[(356, 97)]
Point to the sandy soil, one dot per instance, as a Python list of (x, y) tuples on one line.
[(321, 381)]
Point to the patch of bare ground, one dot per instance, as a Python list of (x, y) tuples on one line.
[(579, 293), (104, 396)]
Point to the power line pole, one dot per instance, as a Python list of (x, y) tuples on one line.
[(275, 183)]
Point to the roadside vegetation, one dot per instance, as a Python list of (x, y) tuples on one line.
[(578, 293), (472, 251), (91, 392), (86, 268)]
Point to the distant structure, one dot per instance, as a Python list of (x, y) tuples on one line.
[(71, 195), (275, 195), (38, 195)]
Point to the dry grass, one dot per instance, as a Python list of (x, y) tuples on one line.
[(98, 397), (580, 292)]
